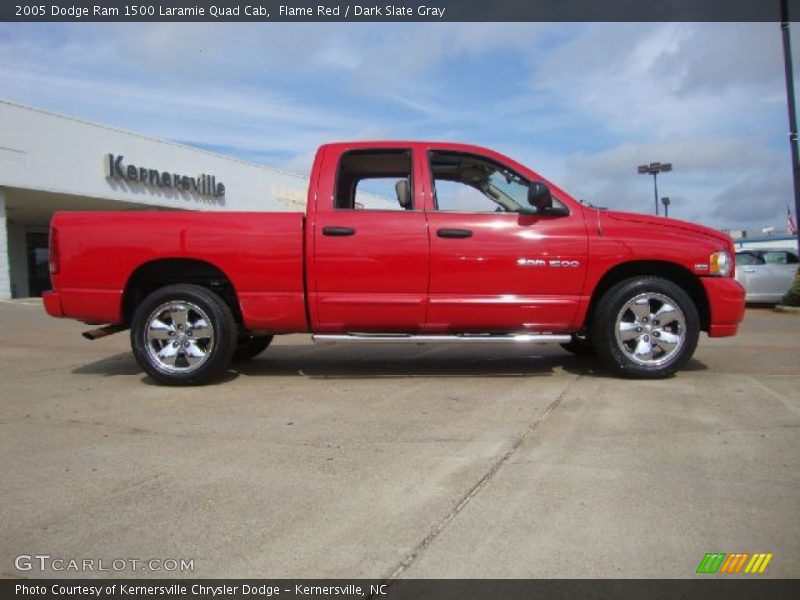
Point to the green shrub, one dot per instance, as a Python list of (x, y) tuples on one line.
[(792, 297)]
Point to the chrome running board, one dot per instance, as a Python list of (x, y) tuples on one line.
[(402, 338)]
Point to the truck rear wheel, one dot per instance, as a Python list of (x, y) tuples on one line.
[(646, 327), (183, 335)]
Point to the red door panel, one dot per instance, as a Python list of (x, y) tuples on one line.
[(368, 268), (498, 271), (375, 279), (514, 273)]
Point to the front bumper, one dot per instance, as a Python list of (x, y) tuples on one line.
[(726, 305)]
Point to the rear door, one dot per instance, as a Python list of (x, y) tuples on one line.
[(368, 266), (493, 268)]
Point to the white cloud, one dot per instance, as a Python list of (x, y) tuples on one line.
[(723, 182), (657, 80), (581, 103)]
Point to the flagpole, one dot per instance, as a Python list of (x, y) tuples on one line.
[(787, 61)]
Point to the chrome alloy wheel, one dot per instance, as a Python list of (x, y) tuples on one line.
[(179, 337), (650, 329)]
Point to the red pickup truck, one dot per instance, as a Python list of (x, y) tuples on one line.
[(401, 242)]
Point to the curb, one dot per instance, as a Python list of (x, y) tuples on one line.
[(787, 309), (25, 301)]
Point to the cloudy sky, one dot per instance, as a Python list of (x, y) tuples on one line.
[(583, 104)]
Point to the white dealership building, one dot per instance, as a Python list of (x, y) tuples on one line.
[(51, 162)]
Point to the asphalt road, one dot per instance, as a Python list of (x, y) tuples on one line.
[(418, 461)]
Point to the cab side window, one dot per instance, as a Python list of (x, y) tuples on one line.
[(469, 183), (375, 180)]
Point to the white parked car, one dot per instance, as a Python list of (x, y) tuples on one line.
[(766, 274)]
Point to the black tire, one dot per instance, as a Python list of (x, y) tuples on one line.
[(635, 315), (183, 335), (580, 345), (249, 346)]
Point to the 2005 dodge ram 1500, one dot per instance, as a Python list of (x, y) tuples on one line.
[(401, 242)]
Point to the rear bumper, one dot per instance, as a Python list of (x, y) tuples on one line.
[(52, 304), (726, 304), (87, 305)]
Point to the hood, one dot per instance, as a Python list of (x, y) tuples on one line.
[(669, 223)]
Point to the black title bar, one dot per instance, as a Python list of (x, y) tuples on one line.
[(260, 11), (733, 588)]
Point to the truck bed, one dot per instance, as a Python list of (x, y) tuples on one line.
[(261, 254)]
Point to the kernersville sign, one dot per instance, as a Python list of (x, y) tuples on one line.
[(203, 184)]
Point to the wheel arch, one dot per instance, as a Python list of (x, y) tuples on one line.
[(157, 273), (676, 273)]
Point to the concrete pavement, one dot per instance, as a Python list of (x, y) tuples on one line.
[(416, 461)]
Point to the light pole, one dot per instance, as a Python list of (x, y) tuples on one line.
[(789, 72), (654, 169), (666, 203)]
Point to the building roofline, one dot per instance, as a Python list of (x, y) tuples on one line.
[(149, 137), (769, 238)]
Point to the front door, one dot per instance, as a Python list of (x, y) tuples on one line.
[(497, 265)]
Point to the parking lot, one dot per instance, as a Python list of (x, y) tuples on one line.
[(418, 461)]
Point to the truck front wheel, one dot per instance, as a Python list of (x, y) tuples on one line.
[(183, 335), (646, 327)]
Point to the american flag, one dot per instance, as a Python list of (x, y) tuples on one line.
[(791, 226)]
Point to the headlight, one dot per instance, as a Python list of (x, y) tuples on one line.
[(720, 264)]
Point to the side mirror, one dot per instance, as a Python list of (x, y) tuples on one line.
[(539, 196)]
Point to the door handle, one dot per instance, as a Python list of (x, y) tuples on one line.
[(453, 233), (338, 231), (749, 270)]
